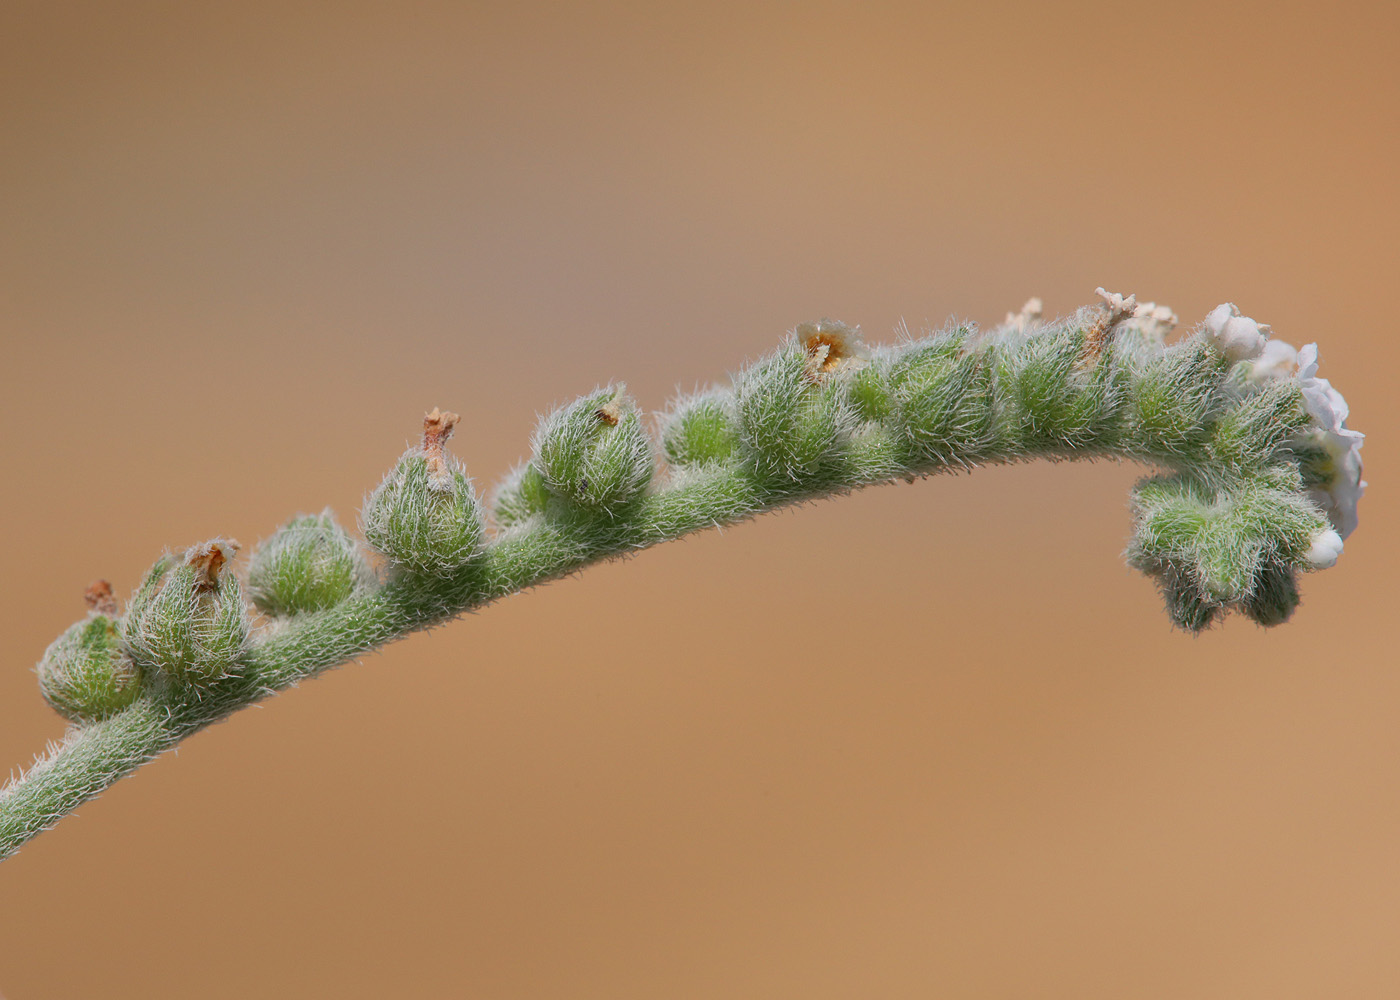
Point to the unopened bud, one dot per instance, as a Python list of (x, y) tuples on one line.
[(594, 451), (700, 429), (425, 516), (188, 620), (310, 564), (1236, 337), (1326, 548)]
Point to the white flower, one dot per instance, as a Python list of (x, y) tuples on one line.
[(1326, 547), (1278, 360), (1337, 496), (1237, 337)]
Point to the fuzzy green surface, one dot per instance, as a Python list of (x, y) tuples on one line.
[(84, 675), (424, 525), (1225, 526), (309, 564)]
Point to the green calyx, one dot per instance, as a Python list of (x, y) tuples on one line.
[(188, 622), (425, 516), (594, 452), (794, 426), (85, 675)]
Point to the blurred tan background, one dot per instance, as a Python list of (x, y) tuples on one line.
[(930, 740)]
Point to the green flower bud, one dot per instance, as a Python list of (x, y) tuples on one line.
[(594, 451), (425, 516), (870, 390), (1058, 392), (188, 620), (521, 496), (946, 406), (1251, 433), (1171, 398), (310, 564), (700, 429), (84, 674), (794, 421)]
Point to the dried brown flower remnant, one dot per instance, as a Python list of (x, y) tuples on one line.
[(1117, 309), (437, 428), (208, 560), (99, 598), (831, 347), (610, 412)]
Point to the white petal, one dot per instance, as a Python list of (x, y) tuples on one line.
[(1307, 361), (1277, 361)]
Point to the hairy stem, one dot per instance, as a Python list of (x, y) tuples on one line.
[(1228, 527)]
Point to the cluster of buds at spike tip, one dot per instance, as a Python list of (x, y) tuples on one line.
[(1234, 546), (425, 516), (85, 674), (309, 564), (187, 622), (594, 452)]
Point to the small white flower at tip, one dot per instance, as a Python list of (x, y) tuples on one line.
[(1326, 547), (1342, 491), (1278, 360), (1236, 337), (1029, 315)]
